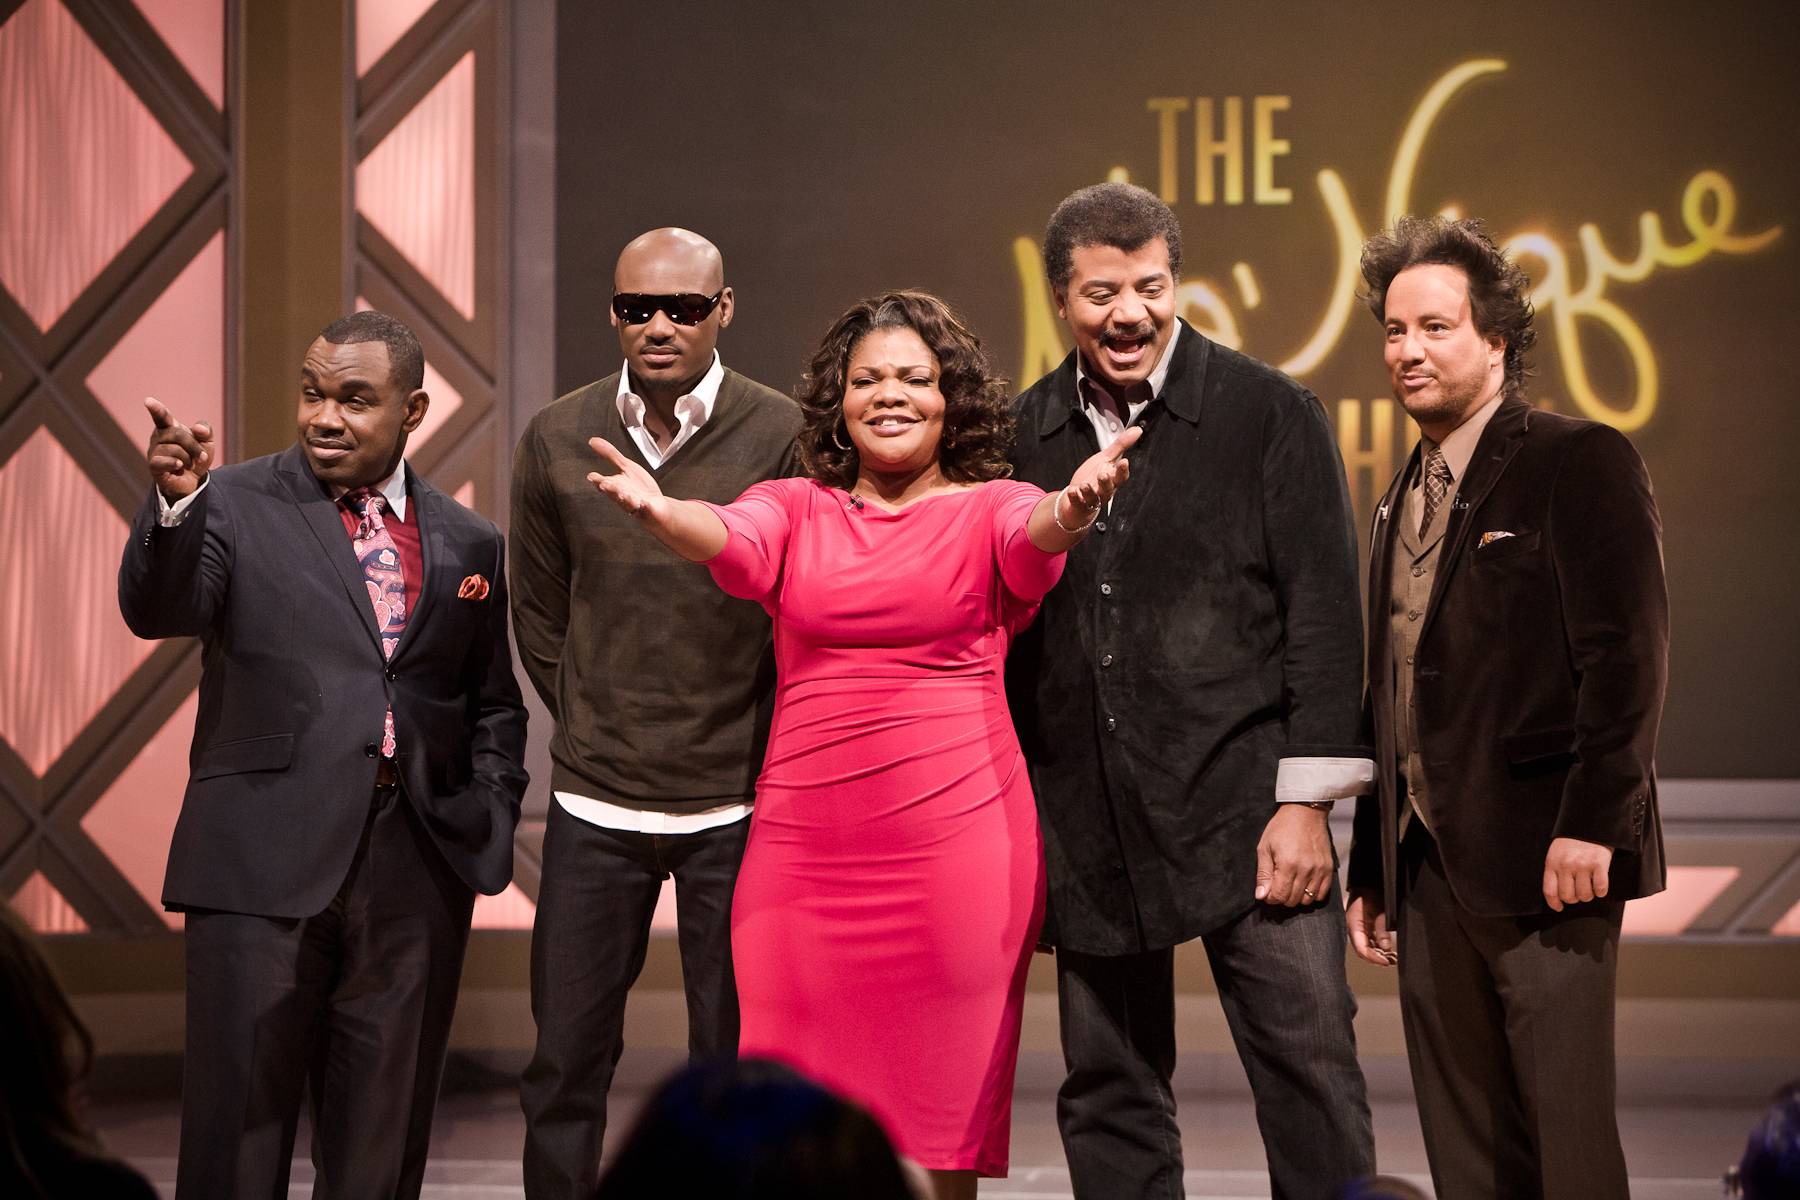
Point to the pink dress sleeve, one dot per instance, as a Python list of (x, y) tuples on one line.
[(756, 534), (1027, 572)]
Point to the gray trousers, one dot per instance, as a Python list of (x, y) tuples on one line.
[(1280, 975), (1509, 1030)]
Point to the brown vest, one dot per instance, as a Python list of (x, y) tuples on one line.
[(1409, 590)]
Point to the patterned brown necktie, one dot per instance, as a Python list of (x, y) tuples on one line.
[(1437, 483)]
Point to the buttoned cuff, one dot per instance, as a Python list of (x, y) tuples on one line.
[(1309, 780), (170, 515)]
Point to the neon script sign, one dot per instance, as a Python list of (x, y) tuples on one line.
[(1570, 307)]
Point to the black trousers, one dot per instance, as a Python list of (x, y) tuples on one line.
[(1280, 975), (352, 1005), (1509, 1030), (596, 897)]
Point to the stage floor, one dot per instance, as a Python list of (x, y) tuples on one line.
[(1676, 1151)]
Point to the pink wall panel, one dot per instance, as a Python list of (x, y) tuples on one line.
[(1789, 925), (418, 186), (135, 820), (444, 401), (83, 164), (1691, 890), (381, 23), (44, 908), (175, 352), (195, 31), (511, 909), (65, 647)]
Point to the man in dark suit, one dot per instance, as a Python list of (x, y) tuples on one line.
[(1518, 629), (355, 774), (1188, 703)]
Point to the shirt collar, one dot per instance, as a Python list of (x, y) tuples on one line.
[(705, 396), (392, 489), (1458, 446)]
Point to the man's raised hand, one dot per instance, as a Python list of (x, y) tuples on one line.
[(179, 456)]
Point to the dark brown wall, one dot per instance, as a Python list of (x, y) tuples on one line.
[(832, 151)]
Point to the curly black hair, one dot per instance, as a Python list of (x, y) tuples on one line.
[(1499, 291), (1121, 215), (978, 423)]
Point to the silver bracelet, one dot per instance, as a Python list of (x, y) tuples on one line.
[(1056, 514)]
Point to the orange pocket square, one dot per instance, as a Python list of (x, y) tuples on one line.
[(475, 587)]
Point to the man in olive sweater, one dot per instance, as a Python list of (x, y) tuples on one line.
[(660, 685)]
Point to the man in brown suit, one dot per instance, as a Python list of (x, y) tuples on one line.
[(1518, 645)]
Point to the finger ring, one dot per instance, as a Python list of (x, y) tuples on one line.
[(1306, 891)]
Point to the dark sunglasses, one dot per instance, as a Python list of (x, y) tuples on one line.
[(683, 308)]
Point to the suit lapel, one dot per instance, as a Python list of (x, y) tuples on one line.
[(322, 516), (433, 549), (1499, 442), (1388, 516)]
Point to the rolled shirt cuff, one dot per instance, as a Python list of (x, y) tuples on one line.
[(1308, 780)]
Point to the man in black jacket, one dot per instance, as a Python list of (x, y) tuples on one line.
[(1519, 636), (1188, 701)]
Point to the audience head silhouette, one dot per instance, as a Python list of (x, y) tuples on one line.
[(752, 1128), (46, 1148), (1770, 1167)]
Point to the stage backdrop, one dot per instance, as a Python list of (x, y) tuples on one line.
[(1637, 159)]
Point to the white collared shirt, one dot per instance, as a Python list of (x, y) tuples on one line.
[(1106, 422), (392, 489), (648, 820), (691, 412)]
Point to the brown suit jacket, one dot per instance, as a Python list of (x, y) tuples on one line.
[(1540, 670)]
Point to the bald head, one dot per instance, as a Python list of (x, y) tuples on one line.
[(669, 260), (667, 357)]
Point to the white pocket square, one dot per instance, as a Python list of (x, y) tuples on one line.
[(1494, 535)]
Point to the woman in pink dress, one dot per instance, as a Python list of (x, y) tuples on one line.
[(893, 885)]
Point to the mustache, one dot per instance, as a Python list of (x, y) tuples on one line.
[(1143, 330)]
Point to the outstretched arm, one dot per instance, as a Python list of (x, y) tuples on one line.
[(1062, 519), (687, 527), (176, 565)]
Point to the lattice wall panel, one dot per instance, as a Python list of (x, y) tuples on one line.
[(86, 162), (417, 187), (67, 651), (114, 195)]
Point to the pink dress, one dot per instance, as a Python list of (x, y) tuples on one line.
[(893, 886)]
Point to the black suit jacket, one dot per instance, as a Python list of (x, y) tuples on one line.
[(1206, 630), (293, 689), (1539, 675)]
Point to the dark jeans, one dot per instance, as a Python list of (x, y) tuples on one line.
[(595, 900), (1280, 975), (1509, 1030), (353, 1004)]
